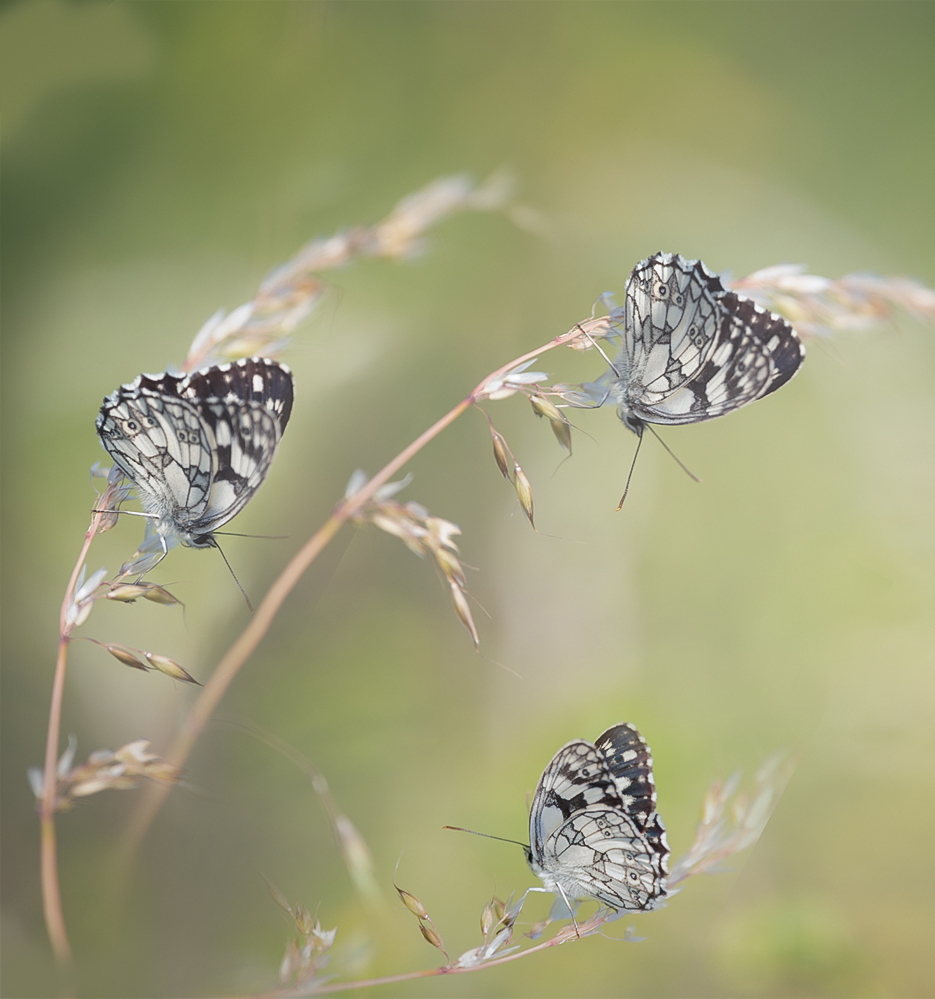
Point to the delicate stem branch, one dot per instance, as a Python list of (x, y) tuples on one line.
[(565, 935), (448, 969), (48, 862), (252, 635), (51, 892)]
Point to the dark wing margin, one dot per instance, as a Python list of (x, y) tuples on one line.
[(629, 760), (786, 350), (258, 380), (247, 405), (755, 353)]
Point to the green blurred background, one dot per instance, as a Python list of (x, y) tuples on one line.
[(159, 158)]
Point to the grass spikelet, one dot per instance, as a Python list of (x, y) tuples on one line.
[(523, 492)]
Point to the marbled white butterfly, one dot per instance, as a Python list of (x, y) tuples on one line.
[(594, 832), (692, 350), (197, 447)]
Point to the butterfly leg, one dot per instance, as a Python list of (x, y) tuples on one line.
[(638, 430), (165, 551), (568, 905), (570, 909)]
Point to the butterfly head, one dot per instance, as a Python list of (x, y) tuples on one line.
[(630, 420), (199, 541)]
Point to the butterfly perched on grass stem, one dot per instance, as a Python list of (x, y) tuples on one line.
[(594, 832), (692, 350), (198, 446)]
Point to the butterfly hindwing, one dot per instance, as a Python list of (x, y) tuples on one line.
[(629, 761)]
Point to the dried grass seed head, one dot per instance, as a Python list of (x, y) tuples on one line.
[(501, 454), (463, 610), (126, 592), (160, 595), (510, 382), (523, 492), (126, 657), (107, 770), (412, 903), (170, 667), (433, 937)]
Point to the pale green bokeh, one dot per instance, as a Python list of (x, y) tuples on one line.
[(160, 158)]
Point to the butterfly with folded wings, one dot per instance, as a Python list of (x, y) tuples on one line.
[(692, 350), (594, 832), (198, 446)]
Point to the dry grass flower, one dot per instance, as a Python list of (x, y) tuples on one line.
[(426, 926), (819, 306), (105, 770), (732, 820), (290, 292), (422, 533), (306, 956)]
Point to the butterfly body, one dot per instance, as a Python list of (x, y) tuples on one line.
[(692, 350), (198, 446), (594, 832)]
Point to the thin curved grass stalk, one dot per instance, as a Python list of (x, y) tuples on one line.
[(76, 604), (261, 325)]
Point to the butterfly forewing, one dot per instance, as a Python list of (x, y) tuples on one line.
[(198, 447), (692, 350), (577, 778)]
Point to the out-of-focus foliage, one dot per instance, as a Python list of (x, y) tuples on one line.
[(159, 159)]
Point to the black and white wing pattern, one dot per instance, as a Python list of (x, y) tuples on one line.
[(593, 829), (197, 447), (692, 350)]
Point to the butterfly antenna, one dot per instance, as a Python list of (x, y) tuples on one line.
[(234, 574), (598, 406), (266, 537), (127, 513), (678, 461), (632, 466), (502, 839)]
